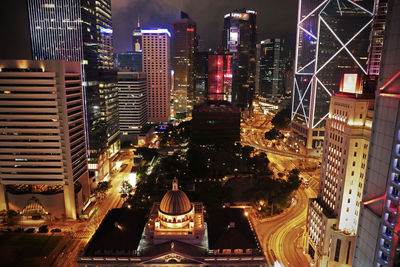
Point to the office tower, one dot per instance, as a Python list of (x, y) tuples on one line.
[(137, 38), (201, 77), (132, 100), (377, 242), (333, 216), (156, 64), (42, 138), (82, 31), (377, 34), (239, 37), (129, 60), (220, 75), (269, 72), (332, 39), (184, 44)]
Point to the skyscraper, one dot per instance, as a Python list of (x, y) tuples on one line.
[(239, 37), (156, 64), (333, 216), (377, 241), (82, 31), (42, 140), (137, 38), (201, 79), (184, 44), (129, 60), (220, 75), (269, 71), (332, 39), (377, 34), (132, 99)]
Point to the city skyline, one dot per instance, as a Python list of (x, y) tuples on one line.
[(281, 139)]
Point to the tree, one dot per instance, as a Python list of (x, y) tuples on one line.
[(126, 189), (147, 153), (281, 120), (102, 188), (273, 134)]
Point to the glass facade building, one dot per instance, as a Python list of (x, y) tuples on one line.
[(184, 49), (82, 31), (239, 37), (270, 67), (332, 39)]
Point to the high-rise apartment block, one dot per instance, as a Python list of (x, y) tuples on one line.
[(377, 241), (269, 69), (184, 45), (132, 98), (333, 216), (220, 75), (332, 39), (156, 64), (42, 138), (239, 37)]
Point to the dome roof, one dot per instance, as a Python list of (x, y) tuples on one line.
[(175, 201)]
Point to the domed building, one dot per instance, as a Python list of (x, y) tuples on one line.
[(176, 218), (174, 234)]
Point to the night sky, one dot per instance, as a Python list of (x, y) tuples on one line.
[(276, 18)]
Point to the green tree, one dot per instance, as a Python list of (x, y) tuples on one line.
[(281, 120), (147, 153), (126, 189), (102, 188), (273, 134)]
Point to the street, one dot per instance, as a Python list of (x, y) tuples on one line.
[(83, 231)]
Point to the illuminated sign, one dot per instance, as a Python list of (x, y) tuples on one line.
[(157, 31), (106, 30), (351, 83), (190, 30), (242, 16)]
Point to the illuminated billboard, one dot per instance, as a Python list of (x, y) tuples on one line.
[(351, 83)]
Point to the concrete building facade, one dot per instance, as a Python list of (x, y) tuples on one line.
[(42, 136)]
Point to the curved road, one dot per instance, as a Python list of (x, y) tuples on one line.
[(281, 236)]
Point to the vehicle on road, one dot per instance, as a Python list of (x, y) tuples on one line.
[(56, 230)]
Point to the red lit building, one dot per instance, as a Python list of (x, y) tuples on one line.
[(220, 76)]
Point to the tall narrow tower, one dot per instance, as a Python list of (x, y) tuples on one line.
[(379, 227), (333, 216), (332, 39), (156, 64), (184, 44)]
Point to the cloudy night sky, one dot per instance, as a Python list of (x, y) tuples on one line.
[(276, 18)]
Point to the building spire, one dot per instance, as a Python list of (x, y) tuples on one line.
[(175, 184), (138, 22)]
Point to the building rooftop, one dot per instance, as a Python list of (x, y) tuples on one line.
[(229, 228), (216, 106), (119, 233)]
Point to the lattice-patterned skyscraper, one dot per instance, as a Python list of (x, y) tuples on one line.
[(332, 39)]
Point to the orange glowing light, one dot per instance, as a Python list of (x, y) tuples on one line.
[(365, 203), (390, 95), (390, 81)]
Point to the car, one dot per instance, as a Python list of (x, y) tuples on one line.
[(19, 230), (55, 230), (6, 230), (43, 229), (30, 230)]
